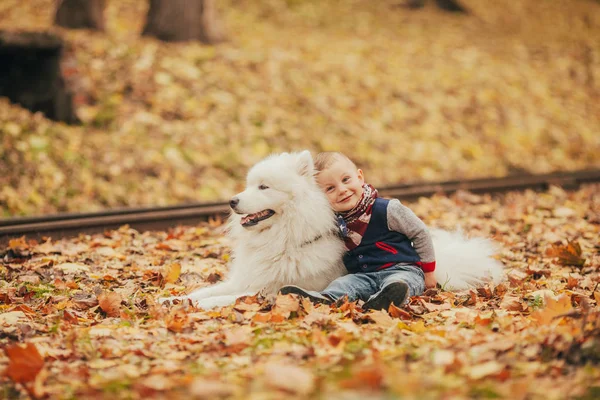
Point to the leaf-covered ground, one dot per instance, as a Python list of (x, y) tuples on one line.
[(410, 94), (85, 314)]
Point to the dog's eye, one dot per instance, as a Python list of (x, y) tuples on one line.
[(262, 187)]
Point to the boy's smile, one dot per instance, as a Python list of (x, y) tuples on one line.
[(343, 184)]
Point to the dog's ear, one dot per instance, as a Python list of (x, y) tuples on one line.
[(304, 164)]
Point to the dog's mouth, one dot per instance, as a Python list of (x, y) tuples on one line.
[(253, 219)]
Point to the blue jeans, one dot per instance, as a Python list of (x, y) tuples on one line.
[(362, 286)]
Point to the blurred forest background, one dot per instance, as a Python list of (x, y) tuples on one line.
[(411, 91)]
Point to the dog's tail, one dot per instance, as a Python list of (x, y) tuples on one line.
[(463, 263)]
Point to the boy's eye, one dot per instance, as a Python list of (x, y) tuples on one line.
[(262, 187), (346, 179), (329, 189)]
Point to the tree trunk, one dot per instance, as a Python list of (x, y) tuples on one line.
[(181, 20), (80, 14), (30, 74)]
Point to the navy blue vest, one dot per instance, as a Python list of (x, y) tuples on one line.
[(380, 248)]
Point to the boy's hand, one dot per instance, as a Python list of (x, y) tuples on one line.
[(430, 281)]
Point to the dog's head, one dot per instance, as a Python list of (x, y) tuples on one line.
[(270, 186)]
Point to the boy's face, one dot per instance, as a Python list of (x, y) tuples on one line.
[(343, 184)]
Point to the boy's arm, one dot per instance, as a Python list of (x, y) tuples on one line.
[(402, 219)]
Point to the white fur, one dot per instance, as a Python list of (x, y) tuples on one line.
[(282, 250), (463, 263)]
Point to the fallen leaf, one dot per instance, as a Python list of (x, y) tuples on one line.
[(177, 321), (12, 318), (382, 319), (285, 305), (173, 273), (72, 268), (110, 303), (397, 312), (290, 377), (512, 303), (25, 362), (569, 254), (370, 377), (554, 307)]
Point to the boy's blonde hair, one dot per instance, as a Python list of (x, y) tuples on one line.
[(324, 159)]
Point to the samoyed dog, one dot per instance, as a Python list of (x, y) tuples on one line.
[(285, 233)]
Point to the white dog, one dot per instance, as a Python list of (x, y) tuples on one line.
[(285, 233)]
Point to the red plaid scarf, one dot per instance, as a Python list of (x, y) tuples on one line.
[(357, 219)]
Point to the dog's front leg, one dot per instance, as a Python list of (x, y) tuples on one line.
[(219, 289), (220, 301)]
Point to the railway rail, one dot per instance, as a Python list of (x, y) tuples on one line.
[(161, 218)]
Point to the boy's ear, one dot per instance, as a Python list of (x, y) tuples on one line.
[(304, 164), (361, 176)]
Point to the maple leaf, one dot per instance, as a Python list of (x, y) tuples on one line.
[(569, 254), (110, 303), (25, 362), (554, 307)]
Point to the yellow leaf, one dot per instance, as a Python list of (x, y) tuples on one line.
[(418, 327), (174, 272)]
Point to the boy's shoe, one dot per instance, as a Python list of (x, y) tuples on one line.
[(313, 296), (395, 292)]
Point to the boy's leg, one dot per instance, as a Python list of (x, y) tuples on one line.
[(412, 275), (355, 286), (394, 293), (312, 295), (397, 284)]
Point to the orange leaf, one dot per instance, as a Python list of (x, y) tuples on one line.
[(18, 244), (396, 312), (163, 246), (110, 303), (24, 362), (553, 309), (262, 317), (177, 321), (366, 377)]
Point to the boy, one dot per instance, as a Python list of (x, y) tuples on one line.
[(390, 253)]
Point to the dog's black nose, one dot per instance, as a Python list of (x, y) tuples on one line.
[(234, 202)]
